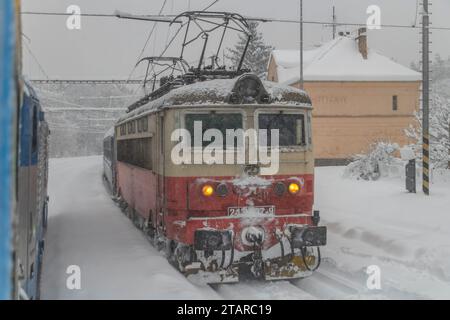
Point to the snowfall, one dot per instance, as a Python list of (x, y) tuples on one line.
[(370, 223)]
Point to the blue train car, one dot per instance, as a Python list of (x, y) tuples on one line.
[(8, 108), (23, 169), (32, 200)]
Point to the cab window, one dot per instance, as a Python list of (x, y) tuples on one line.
[(291, 127), (213, 120)]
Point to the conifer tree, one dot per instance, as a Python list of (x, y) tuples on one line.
[(258, 53)]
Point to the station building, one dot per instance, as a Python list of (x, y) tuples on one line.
[(359, 96)]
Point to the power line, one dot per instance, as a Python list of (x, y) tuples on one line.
[(36, 60), (213, 3), (95, 15), (177, 32), (145, 45), (80, 108), (117, 14), (166, 18), (148, 39)]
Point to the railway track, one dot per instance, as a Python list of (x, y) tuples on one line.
[(326, 283)]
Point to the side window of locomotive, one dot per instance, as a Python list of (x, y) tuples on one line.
[(291, 128), (219, 121), (136, 152), (145, 124)]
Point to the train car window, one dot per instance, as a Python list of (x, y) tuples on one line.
[(145, 124), (34, 138), (220, 121), (291, 127), (107, 147), (137, 152)]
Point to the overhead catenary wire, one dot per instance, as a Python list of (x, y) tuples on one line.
[(210, 5), (168, 44), (148, 39), (249, 18), (145, 46), (37, 61)]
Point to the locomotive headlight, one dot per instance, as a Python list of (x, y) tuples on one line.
[(222, 190), (294, 188), (207, 190), (280, 189)]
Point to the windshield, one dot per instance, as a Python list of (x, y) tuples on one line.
[(291, 127), (213, 120)]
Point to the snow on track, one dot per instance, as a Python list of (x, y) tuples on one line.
[(273, 290), (370, 223), (87, 229)]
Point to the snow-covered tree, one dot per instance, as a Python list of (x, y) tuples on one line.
[(258, 53), (439, 132), (367, 166), (439, 116)]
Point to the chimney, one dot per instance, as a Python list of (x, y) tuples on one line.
[(362, 42)]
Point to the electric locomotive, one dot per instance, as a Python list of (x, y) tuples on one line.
[(194, 170)]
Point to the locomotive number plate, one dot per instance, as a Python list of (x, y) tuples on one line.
[(251, 211)]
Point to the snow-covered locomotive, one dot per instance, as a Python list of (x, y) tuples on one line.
[(220, 219)]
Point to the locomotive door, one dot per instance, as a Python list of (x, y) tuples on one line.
[(32, 200), (27, 194), (161, 194)]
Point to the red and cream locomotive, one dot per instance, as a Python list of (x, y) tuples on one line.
[(220, 221)]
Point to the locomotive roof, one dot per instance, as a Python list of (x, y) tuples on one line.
[(217, 92)]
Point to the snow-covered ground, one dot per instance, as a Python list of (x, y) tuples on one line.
[(87, 229), (377, 223), (370, 223)]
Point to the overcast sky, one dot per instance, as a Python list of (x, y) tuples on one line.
[(109, 47)]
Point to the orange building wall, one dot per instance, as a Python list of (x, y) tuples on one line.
[(349, 116)]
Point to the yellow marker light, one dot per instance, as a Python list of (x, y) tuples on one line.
[(207, 190), (294, 188)]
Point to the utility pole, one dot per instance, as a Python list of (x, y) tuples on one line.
[(334, 22), (301, 45), (426, 98), (448, 164)]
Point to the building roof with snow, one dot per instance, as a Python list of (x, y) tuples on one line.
[(339, 60)]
